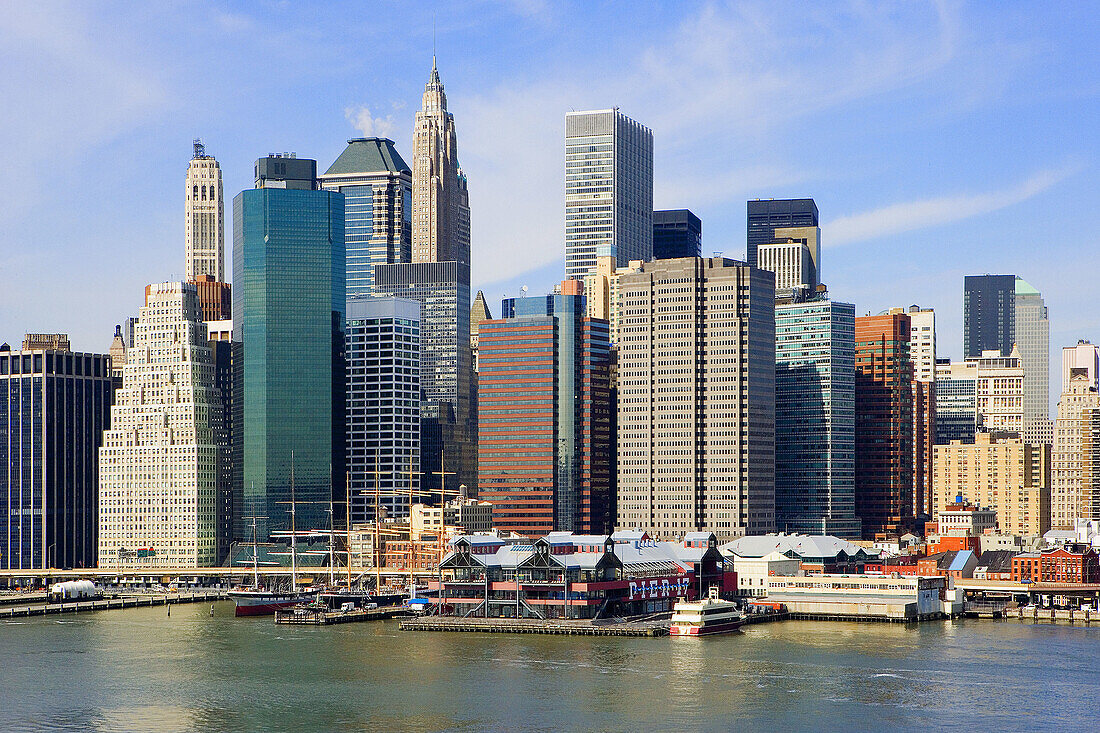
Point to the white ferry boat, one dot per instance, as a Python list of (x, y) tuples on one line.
[(710, 615)]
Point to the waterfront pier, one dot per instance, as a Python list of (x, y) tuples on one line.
[(117, 602)]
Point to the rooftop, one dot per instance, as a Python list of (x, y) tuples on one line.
[(368, 155)]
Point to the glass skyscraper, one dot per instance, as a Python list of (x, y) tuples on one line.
[(377, 187), (767, 215), (54, 407), (815, 418), (676, 233), (989, 314), (608, 190), (288, 307), (1032, 337)]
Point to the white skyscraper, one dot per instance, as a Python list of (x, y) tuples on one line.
[(158, 463), (1080, 395), (204, 232), (608, 190), (794, 258)]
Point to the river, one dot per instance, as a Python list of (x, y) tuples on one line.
[(142, 670)]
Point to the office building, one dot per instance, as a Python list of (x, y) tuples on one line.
[(957, 417), (54, 407), (117, 352), (1089, 431), (794, 257), (288, 361), (884, 424), (998, 471), (601, 290), (479, 312), (383, 407), (767, 215), (1079, 396), (544, 444), (204, 218), (696, 398), (158, 467), (1083, 359), (815, 419), (989, 314), (440, 200), (377, 187), (215, 298), (922, 351), (608, 190), (676, 233), (1032, 339), (46, 342), (448, 412)]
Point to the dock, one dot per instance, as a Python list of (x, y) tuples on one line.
[(306, 616), (105, 604), (537, 626)]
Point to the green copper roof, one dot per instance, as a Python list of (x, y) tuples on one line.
[(368, 155), (1023, 288)]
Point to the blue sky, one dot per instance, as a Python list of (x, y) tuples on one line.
[(939, 139)]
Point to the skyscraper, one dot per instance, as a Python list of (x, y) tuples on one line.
[(884, 424), (1072, 436), (288, 306), (608, 190), (377, 188), (815, 418), (1032, 337), (383, 408), (696, 400), (1000, 392), (54, 407), (440, 202), (1084, 356), (676, 233), (204, 217), (544, 455), (158, 467), (765, 215), (989, 314), (448, 417), (922, 350), (794, 257), (479, 312), (957, 415)]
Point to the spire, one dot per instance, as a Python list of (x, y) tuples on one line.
[(434, 78)]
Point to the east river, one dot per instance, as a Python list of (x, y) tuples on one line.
[(141, 670)]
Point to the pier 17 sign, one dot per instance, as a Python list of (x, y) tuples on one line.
[(659, 588)]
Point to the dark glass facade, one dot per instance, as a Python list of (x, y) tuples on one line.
[(766, 215), (54, 407), (448, 414), (676, 233), (288, 406), (989, 314)]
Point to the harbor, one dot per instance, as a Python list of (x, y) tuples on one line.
[(572, 627), (107, 604), (311, 614)]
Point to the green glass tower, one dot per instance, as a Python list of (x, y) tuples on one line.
[(288, 306)]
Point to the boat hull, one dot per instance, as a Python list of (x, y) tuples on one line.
[(722, 627), (258, 603)]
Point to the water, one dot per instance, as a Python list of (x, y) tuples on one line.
[(144, 671)]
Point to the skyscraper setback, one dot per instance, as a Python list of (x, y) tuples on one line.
[(440, 201), (608, 190), (204, 227)]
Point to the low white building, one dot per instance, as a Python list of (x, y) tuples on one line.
[(862, 596), (753, 573)]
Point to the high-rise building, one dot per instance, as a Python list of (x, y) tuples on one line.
[(479, 312), (608, 190), (117, 352), (989, 314), (204, 218), (676, 233), (46, 342), (1000, 392), (766, 215), (288, 362), (440, 202), (884, 424), (998, 471), (1084, 356), (383, 406), (601, 290), (54, 407), (1089, 430), (158, 467), (794, 257), (544, 452), (696, 398), (1079, 395), (815, 418), (377, 187), (957, 415), (922, 351), (448, 413), (1032, 338), (215, 298)]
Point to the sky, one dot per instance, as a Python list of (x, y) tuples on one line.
[(938, 139)]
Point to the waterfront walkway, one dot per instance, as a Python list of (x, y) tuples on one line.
[(104, 604)]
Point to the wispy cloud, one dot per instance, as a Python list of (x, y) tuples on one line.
[(911, 215), (370, 125)]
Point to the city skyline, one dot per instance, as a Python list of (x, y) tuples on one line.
[(933, 205)]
